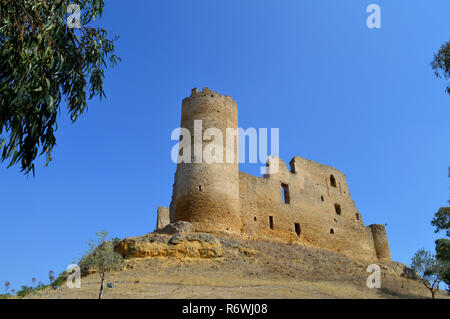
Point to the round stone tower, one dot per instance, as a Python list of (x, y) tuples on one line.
[(206, 191), (380, 242)]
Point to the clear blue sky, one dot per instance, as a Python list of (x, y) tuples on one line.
[(362, 100)]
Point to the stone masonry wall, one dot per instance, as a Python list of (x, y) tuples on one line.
[(207, 194), (163, 217), (304, 205), (380, 242)]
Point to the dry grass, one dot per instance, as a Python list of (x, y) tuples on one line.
[(248, 269)]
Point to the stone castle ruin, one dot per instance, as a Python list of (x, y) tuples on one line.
[(306, 203)]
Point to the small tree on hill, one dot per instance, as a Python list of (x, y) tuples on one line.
[(443, 255), (429, 268), (7, 284), (25, 290), (101, 258), (441, 222), (51, 276)]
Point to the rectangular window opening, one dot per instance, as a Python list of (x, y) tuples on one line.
[(271, 222), (297, 229), (286, 197)]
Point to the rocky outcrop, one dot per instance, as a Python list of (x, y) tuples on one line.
[(176, 228), (196, 245)]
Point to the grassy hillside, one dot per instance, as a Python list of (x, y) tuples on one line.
[(219, 266)]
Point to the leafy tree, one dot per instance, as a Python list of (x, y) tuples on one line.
[(441, 63), (7, 285), (429, 268), (443, 256), (44, 66), (101, 258), (441, 220), (443, 249)]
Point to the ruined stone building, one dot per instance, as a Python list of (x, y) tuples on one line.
[(306, 202)]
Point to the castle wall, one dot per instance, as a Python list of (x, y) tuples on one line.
[(163, 218), (311, 205), (380, 242)]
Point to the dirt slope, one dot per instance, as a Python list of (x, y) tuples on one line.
[(198, 265)]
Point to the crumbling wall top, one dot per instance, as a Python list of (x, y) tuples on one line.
[(297, 163), (206, 93)]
